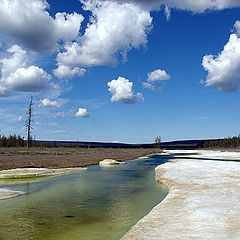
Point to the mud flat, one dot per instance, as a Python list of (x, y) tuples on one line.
[(203, 202)]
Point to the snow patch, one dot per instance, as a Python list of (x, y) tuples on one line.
[(205, 154), (110, 162)]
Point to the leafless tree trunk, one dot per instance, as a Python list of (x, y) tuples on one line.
[(158, 142), (28, 123)]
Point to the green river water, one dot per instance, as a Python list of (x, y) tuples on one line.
[(97, 204)]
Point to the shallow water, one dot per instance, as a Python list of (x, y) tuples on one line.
[(97, 204)]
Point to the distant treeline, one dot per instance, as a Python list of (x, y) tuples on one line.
[(18, 141), (230, 142), (12, 141)]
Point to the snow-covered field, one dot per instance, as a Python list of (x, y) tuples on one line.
[(203, 200)]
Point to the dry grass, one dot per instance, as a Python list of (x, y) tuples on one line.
[(11, 158)]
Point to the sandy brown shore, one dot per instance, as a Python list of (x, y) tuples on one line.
[(11, 158)]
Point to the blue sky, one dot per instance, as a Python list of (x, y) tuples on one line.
[(120, 71)]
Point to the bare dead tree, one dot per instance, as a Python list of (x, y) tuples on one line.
[(158, 142), (29, 122)]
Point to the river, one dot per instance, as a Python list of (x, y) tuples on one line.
[(100, 203)]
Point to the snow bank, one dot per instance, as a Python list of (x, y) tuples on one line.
[(203, 203), (205, 154)]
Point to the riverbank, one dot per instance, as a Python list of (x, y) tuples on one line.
[(11, 158), (203, 200), (30, 173)]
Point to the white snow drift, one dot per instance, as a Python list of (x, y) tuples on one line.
[(203, 202)]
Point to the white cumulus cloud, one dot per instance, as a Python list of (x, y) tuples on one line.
[(11, 64), (158, 75), (202, 5), (16, 76), (48, 103), (68, 72), (82, 112), (31, 79), (224, 69), (196, 6), (155, 80), (29, 23), (67, 26), (113, 28), (122, 91)]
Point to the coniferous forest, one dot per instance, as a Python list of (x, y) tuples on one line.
[(12, 141), (230, 142)]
